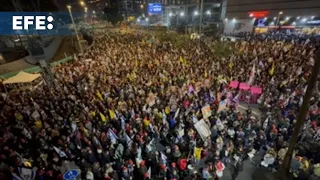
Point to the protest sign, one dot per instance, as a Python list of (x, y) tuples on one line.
[(206, 112), (203, 129)]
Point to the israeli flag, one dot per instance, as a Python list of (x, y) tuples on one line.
[(163, 158), (61, 153), (113, 137)]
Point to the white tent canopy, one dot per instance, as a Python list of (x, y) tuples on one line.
[(22, 77)]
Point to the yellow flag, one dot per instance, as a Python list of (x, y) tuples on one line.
[(146, 123), (136, 63), (182, 60), (38, 124), (230, 65), (103, 118), (112, 114), (197, 153), (167, 110), (99, 95), (205, 74), (271, 71)]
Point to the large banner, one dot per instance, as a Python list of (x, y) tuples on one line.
[(238, 26)]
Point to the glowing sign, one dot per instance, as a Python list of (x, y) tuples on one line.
[(155, 8), (258, 14)]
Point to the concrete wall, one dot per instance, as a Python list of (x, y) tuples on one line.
[(239, 8)]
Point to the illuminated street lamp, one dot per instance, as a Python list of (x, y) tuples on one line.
[(141, 6), (170, 14), (196, 13), (182, 14), (208, 13), (279, 15), (82, 3), (287, 18), (75, 28)]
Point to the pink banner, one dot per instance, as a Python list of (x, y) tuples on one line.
[(244, 86), (234, 84), (256, 90)]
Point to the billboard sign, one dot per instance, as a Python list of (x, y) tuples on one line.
[(258, 14), (155, 8)]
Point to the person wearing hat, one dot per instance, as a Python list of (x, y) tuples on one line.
[(173, 171), (162, 171), (143, 169)]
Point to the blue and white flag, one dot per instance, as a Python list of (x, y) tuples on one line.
[(113, 137), (149, 172), (139, 156), (61, 153), (151, 128), (123, 123), (163, 158), (128, 140), (133, 114)]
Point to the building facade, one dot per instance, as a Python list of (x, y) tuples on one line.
[(178, 12), (272, 15)]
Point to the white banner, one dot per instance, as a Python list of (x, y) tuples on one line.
[(203, 129)]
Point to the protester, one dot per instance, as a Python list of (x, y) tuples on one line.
[(128, 107)]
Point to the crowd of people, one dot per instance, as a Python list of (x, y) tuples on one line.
[(128, 109)]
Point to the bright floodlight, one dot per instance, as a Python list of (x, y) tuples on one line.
[(304, 20), (147, 19), (81, 3), (170, 14), (234, 20), (274, 18), (265, 18), (287, 18), (294, 23), (226, 19), (196, 13), (93, 12), (182, 14), (138, 20), (298, 17), (251, 15), (280, 12), (208, 12)]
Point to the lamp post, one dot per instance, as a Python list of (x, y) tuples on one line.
[(75, 28), (201, 14), (278, 19), (302, 114), (86, 13)]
